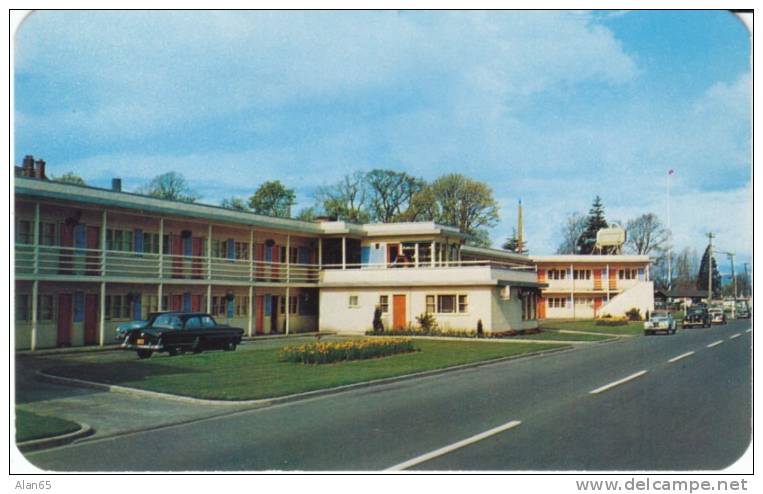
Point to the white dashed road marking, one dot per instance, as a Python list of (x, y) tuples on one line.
[(749, 331), (460, 444), (735, 336), (617, 383), (715, 343), (679, 357)]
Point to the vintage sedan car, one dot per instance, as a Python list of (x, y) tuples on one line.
[(124, 328), (717, 316), (179, 332), (660, 321), (696, 317)]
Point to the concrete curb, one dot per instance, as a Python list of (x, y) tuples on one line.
[(264, 402), (51, 442), (594, 332)]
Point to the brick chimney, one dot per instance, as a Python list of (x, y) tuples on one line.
[(40, 169), (27, 166)]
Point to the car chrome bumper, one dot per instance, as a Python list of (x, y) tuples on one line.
[(132, 346)]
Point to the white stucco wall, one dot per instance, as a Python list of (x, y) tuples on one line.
[(640, 296), (507, 314)]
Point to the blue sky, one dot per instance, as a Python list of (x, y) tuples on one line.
[(550, 107)]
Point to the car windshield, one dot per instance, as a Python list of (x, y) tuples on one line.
[(168, 321), (660, 315)]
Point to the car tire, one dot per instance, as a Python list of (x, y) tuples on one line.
[(230, 346), (144, 354), (197, 346), (172, 351)]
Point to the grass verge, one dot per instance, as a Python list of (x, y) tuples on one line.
[(549, 334), (257, 373), (31, 426), (631, 328)]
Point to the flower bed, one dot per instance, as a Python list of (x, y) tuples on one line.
[(326, 353), (456, 333)]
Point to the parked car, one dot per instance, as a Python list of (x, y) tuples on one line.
[(717, 316), (179, 332), (696, 317), (742, 311), (660, 321), (124, 328)]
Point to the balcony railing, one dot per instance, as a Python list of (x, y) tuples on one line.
[(73, 261), (427, 264)]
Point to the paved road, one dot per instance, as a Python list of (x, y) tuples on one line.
[(693, 413)]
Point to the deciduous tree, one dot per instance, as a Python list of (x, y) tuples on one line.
[(273, 199), (170, 185)]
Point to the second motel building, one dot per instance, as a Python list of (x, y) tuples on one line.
[(88, 259)]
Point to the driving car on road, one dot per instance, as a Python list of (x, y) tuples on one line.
[(660, 321), (696, 317), (179, 332), (717, 316)]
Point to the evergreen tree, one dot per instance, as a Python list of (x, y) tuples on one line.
[(594, 223), (703, 272), (512, 244)]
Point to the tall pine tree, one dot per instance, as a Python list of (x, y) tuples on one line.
[(594, 223), (702, 276)]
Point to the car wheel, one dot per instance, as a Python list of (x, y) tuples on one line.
[(197, 346), (230, 346), (144, 354), (172, 351)]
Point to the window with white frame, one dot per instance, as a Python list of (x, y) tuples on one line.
[(151, 242), (581, 274), (24, 232), (557, 274), (45, 307), (627, 274), (352, 301), (557, 302), (384, 303), (293, 304), (447, 304), (119, 240), (23, 307)]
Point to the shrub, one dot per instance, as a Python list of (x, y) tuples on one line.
[(612, 321), (411, 331), (427, 322), (325, 353), (634, 314), (378, 325)]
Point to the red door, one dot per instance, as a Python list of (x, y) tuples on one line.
[(176, 249), (93, 260), (398, 312), (196, 253), (176, 302), (596, 305), (64, 319), (259, 321), (195, 303), (541, 308), (274, 272), (597, 279), (67, 241), (91, 319), (259, 257)]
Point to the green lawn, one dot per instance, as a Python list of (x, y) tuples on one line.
[(548, 334), (631, 328), (32, 426), (255, 372)]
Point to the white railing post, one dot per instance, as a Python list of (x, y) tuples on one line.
[(209, 298), (249, 310), (161, 254), (432, 254), (103, 244), (320, 253), (416, 255), (36, 239), (288, 262), (251, 261), (35, 296), (209, 253), (287, 308), (102, 315)]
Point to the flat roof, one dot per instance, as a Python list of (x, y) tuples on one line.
[(499, 254), (106, 197), (590, 258)]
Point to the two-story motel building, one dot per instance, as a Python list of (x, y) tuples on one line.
[(88, 259)]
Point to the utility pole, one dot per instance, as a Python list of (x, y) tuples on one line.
[(710, 268), (746, 281)]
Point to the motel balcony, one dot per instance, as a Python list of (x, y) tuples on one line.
[(79, 264), (444, 273)]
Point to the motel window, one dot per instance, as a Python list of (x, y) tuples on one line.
[(281, 305), (528, 304), (292, 304), (152, 303), (242, 306), (293, 255), (425, 253), (216, 248), (151, 243), (23, 308), (627, 274), (116, 306), (557, 274), (48, 234), (119, 240), (45, 307), (242, 250), (384, 303), (557, 302), (582, 274), (352, 301), (430, 304), (24, 232), (448, 304)]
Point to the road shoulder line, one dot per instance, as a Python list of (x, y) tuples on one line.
[(715, 343)]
